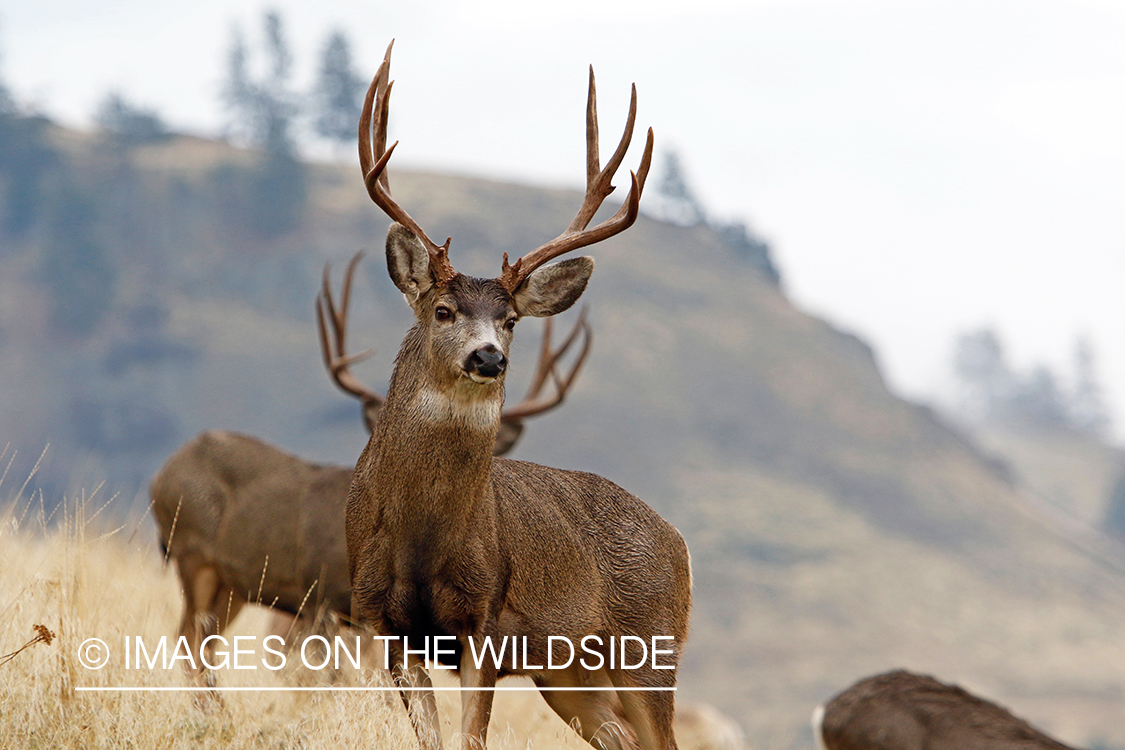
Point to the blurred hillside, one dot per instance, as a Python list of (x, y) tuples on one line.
[(1071, 473), (835, 529)]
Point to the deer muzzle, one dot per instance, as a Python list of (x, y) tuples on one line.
[(485, 364)]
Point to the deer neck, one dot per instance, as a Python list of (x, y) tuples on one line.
[(435, 435)]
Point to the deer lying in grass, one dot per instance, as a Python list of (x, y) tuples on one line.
[(444, 540), (247, 522), (904, 711)]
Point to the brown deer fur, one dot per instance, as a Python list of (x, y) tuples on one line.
[(230, 508), (227, 504), (900, 710), (443, 539)]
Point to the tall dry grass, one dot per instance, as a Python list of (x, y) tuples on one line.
[(81, 576)]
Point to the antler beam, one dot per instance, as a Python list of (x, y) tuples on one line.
[(598, 187), (334, 349), (377, 104)]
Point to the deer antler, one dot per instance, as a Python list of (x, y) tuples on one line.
[(548, 359), (334, 349), (598, 187), (377, 104)]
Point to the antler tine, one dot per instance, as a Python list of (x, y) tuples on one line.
[(598, 180), (336, 359), (377, 103), (367, 148), (531, 404), (598, 187), (587, 341), (593, 151), (547, 360), (639, 178)]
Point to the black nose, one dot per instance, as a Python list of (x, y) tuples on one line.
[(488, 361)]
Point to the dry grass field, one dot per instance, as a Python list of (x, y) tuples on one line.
[(83, 579)]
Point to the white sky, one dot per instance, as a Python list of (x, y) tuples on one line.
[(920, 169)]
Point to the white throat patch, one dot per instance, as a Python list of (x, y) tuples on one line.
[(438, 407)]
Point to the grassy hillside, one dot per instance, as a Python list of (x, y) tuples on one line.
[(835, 529), (1069, 471)]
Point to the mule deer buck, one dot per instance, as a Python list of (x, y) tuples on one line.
[(900, 710), (444, 540), (247, 522)]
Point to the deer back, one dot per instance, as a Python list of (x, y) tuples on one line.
[(900, 710), (242, 507)]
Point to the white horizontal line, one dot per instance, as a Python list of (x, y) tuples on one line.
[(330, 689)]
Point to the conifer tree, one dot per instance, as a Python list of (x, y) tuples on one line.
[(262, 113), (338, 91)]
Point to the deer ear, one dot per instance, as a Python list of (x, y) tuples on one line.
[(551, 289), (408, 263)]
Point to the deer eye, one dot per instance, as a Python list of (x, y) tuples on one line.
[(443, 313), (510, 324)]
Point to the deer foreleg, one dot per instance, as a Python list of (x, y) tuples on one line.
[(476, 699), (410, 676)]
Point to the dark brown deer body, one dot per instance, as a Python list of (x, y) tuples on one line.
[(904, 711), (244, 521), (445, 540)]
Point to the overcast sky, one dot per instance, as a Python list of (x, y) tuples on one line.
[(920, 169)]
